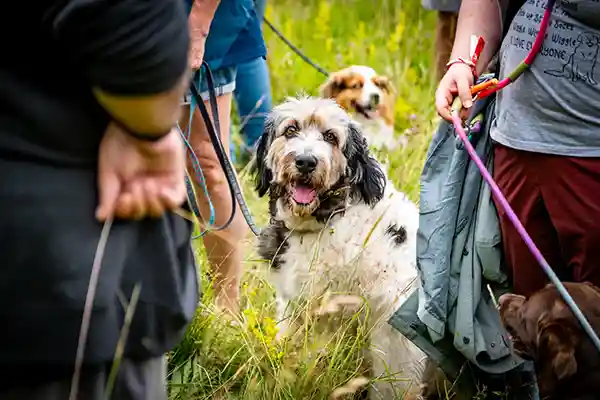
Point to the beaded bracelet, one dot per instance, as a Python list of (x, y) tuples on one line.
[(461, 60)]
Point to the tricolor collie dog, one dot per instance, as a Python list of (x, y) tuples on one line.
[(370, 98), (335, 224)]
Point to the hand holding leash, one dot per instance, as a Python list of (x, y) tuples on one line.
[(139, 179), (456, 83), (459, 80)]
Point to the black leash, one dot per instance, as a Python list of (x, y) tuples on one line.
[(234, 187), (294, 48), (213, 133)]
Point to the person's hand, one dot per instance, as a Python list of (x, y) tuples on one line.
[(138, 179), (457, 80)]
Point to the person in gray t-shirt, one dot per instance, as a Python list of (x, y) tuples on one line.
[(447, 11), (546, 132)]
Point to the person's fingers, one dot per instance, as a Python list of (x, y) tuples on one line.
[(442, 105), (155, 206), (139, 207), (196, 64), (109, 186), (464, 91), (125, 207), (464, 113), (444, 98), (173, 197)]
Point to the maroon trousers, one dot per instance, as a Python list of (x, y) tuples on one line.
[(558, 201)]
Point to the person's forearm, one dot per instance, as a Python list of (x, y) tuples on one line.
[(158, 113), (134, 54), (154, 114), (201, 16), (482, 18)]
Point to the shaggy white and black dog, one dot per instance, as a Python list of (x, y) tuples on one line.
[(335, 225)]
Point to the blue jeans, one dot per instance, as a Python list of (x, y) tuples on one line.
[(253, 98), (253, 93), (223, 80)]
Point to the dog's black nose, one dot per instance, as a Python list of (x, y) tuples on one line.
[(375, 99), (306, 163)]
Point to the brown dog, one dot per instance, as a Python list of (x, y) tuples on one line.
[(545, 330)]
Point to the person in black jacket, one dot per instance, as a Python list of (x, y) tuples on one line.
[(90, 94)]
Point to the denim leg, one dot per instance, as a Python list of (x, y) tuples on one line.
[(253, 98), (232, 155)]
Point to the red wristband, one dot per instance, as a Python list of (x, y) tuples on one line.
[(477, 44)]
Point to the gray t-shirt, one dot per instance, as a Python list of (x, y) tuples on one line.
[(554, 107)]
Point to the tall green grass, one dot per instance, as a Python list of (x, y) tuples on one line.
[(239, 358)]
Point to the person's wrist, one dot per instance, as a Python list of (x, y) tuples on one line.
[(461, 69), (150, 137), (464, 63)]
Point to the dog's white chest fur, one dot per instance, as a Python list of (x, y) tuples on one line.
[(355, 254)]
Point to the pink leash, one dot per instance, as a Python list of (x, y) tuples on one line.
[(457, 122)]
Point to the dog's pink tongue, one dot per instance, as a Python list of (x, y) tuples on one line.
[(304, 194), (372, 114)]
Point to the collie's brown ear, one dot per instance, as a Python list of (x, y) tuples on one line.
[(557, 341), (384, 83), (332, 86)]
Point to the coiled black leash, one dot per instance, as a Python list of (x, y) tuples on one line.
[(213, 132)]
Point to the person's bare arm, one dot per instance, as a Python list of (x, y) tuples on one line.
[(134, 54), (476, 17), (481, 18), (201, 16)]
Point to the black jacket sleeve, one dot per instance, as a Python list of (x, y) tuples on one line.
[(125, 47)]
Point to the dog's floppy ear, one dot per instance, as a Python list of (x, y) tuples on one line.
[(263, 174), (556, 345), (385, 84), (332, 87), (366, 177)]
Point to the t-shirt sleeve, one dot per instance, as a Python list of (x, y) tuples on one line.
[(128, 47)]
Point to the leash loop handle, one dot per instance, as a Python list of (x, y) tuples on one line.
[(214, 128), (192, 201)]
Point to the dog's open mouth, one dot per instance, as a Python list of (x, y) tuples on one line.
[(303, 194), (369, 112)]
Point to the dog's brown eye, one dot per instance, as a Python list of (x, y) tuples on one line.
[(330, 137), (356, 85), (290, 130)]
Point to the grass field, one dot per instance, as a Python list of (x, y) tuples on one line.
[(224, 359)]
